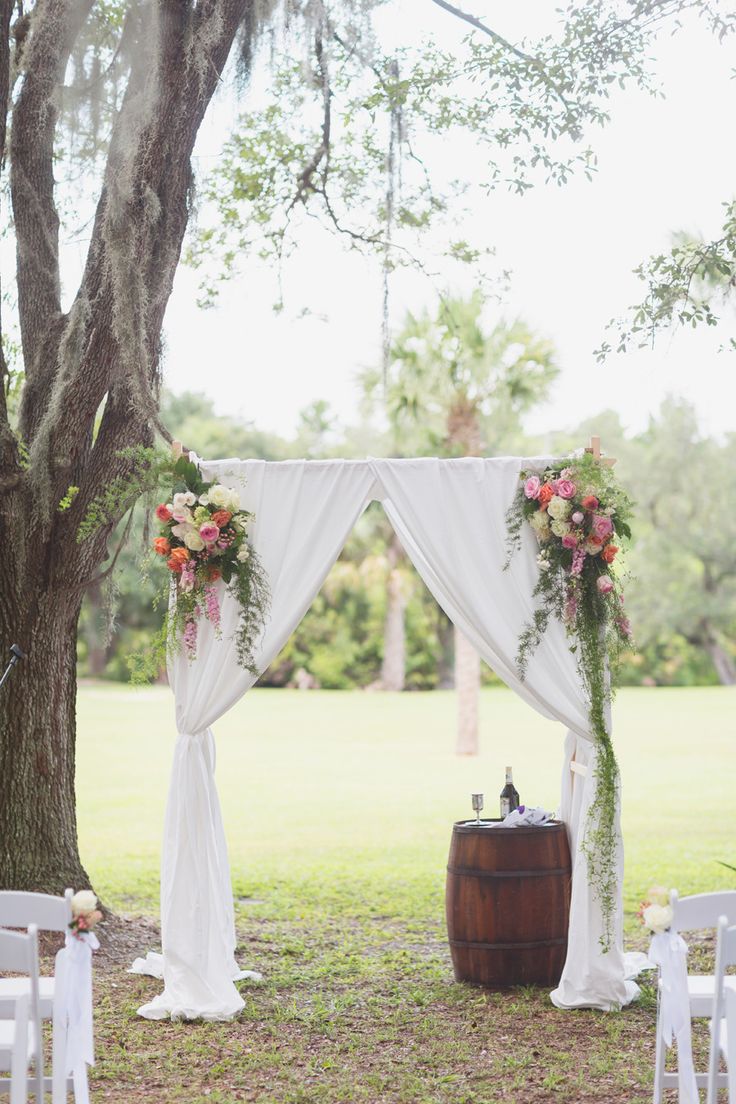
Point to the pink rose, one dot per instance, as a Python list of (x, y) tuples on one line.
[(531, 487), (566, 488), (602, 526), (578, 517), (604, 584), (209, 533), (569, 541)]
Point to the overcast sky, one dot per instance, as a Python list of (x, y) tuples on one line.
[(664, 164)]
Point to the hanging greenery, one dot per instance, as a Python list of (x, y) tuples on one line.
[(580, 514)]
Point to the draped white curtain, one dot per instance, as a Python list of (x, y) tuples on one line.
[(450, 518)]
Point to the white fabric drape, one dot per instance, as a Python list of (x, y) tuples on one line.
[(450, 517), (304, 512)]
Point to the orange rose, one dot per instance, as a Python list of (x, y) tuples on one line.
[(608, 555), (593, 539), (162, 546), (221, 518), (174, 565), (180, 555), (545, 494)]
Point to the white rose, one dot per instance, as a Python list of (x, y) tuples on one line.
[(83, 901), (183, 498), (219, 496), (592, 549), (193, 541), (234, 501), (540, 521), (243, 552), (180, 513), (560, 528), (203, 500), (182, 529), (657, 917), (559, 508)]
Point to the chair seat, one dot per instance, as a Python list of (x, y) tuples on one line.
[(13, 987), (701, 990), (7, 1043)]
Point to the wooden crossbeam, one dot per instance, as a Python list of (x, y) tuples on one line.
[(595, 448)]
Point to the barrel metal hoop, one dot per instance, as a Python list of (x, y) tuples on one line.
[(472, 872), (508, 946)]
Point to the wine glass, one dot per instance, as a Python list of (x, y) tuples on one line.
[(477, 800)]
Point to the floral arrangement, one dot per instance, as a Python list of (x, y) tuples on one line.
[(204, 539), (655, 913), (580, 516), (85, 913)]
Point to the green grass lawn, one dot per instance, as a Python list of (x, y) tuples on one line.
[(338, 809)]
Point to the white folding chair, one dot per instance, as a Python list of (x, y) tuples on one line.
[(20, 1021), (696, 913), (47, 913), (723, 1023)]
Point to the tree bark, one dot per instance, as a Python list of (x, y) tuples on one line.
[(722, 661), (393, 667), (467, 683), (104, 350), (38, 828)]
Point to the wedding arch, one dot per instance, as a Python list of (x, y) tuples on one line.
[(450, 518)]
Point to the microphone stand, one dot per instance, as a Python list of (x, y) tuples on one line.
[(16, 654)]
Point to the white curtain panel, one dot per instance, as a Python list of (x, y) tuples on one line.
[(450, 518), (304, 513)]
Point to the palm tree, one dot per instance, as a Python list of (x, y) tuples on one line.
[(458, 388)]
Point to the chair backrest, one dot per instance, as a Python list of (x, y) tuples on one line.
[(725, 957), (19, 954), (17, 951), (702, 910), (18, 910)]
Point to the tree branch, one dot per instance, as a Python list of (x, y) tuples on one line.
[(54, 27)]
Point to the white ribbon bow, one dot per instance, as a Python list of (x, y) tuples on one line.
[(668, 950)]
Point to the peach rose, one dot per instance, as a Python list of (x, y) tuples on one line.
[(545, 494), (590, 502), (221, 517), (163, 513), (181, 555), (609, 553), (161, 546)]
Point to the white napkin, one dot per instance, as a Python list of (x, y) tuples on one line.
[(525, 817)]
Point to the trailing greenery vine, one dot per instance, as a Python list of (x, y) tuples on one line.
[(578, 511)]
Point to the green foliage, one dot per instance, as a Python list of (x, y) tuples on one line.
[(144, 471), (68, 498), (567, 589), (457, 386), (688, 286)]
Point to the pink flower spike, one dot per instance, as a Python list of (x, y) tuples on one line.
[(190, 638), (578, 559), (604, 584)]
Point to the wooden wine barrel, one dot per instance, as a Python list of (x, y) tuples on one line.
[(508, 903)]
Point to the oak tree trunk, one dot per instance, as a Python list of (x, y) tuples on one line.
[(38, 827), (722, 661)]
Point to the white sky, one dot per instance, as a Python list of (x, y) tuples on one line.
[(664, 164)]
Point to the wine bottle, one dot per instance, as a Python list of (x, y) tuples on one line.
[(509, 795)]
